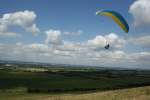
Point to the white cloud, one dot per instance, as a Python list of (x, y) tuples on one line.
[(70, 46), (90, 52), (24, 19), (8, 34), (53, 37), (115, 41), (98, 41), (112, 39), (143, 41), (79, 32), (2, 27), (140, 10), (38, 47), (142, 56), (33, 29), (45, 53), (96, 44)]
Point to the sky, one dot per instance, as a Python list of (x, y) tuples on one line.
[(69, 32)]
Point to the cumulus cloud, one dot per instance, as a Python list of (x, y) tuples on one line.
[(24, 19), (45, 53), (9, 34), (142, 56), (38, 47), (143, 41), (140, 10), (98, 43), (79, 32), (53, 37), (112, 39)]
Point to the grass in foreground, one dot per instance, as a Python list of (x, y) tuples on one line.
[(141, 93)]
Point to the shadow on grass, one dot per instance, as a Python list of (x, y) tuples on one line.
[(82, 90)]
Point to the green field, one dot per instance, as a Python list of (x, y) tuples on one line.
[(58, 83), (68, 80)]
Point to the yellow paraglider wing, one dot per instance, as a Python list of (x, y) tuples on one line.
[(116, 17)]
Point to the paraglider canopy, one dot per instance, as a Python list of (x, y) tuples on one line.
[(118, 18)]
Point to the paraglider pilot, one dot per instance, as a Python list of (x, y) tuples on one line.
[(107, 46)]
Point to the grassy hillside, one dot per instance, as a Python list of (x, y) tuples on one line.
[(141, 93), (62, 81), (73, 84)]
